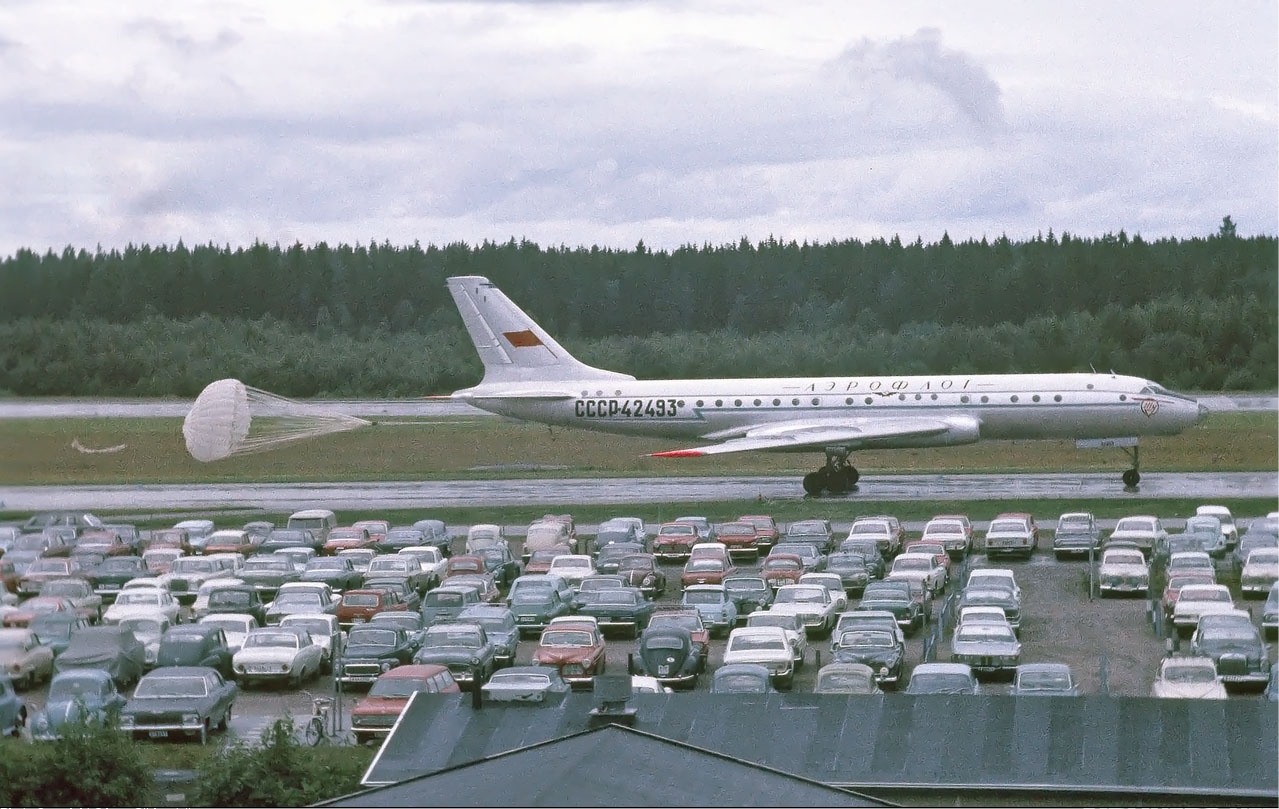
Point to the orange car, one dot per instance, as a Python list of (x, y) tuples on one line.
[(346, 537), (575, 648), (782, 568), (374, 715)]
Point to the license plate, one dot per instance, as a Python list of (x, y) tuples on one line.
[(157, 734), (663, 671)]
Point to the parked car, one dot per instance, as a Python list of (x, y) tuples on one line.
[(706, 571), (431, 560), (668, 653), (953, 531), (690, 620), (343, 537), (894, 597), (536, 684), (400, 537), (867, 548), (1173, 589), (642, 571), (1044, 680), (233, 540), (811, 602), (500, 563), (179, 700), (1143, 530), (158, 559), (675, 541), (1235, 645), (461, 646), (851, 569), (237, 599), (792, 624), (1260, 572), (1123, 571), (985, 647), (141, 602), (301, 602), (447, 600), (274, 654), (375, 713), (45, 570), (540, 560), (499, 624), (740, 538), (113, 649), (483, 535), (360, 558), (576, 649), (624, 608), (24, 659), (1197, 600), (371, 650), (572, 567), (81, 594), (942, 678), (887, 539), (266, 571), (53, 630), (922, 567), (148, 629), (714, 604), (534, 605), (1210, 533), (1186, 677), (611, 555), (436, 534), (235, 627), (811, 555), (483, 584), (195, 645), (1226, 519), (765, 645), (742, 678), (993, 595), (880, 650), (846, 678), (335, 571), (109, 576), (749, 594), (77, 698), (1012, 534), (1077, 534)]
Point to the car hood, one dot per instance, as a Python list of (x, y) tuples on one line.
[(1121, 569), (265, 654), (380, 706), (446, 655), (556, 655)]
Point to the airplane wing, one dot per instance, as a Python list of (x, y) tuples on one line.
[(811, 434)]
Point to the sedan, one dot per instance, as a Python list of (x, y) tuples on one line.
[(985, 647), (525, 684), (713, 603), (879, 649), (624, 608), (278, 654), (24, 659), (179, 700)]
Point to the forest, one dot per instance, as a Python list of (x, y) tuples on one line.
[(1198, 314)]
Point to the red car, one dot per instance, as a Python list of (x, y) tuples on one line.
[(358, 606), (937, 549), (740, 537), (1175, 583), (465, 565), (675, 540), (575, 648), (377, 529), (374, 715), (233, 540), (38, 605), (103, 541), (782, 568), (345, 537), (706, 570), (767, 534), (540, 560), (169, 538)]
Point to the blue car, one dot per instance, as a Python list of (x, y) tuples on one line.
[(77, 697), (715, 605)]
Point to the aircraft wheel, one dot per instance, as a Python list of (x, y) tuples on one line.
[(838, 482), (853, 475), (1132, 477), (815, 482)]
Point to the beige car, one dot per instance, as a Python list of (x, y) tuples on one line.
[(24, 659)]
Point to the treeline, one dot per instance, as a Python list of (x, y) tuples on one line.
[(376, 320)]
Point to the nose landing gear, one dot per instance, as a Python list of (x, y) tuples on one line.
[(838, 476)]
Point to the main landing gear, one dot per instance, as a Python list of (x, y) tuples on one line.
[(837, 476)]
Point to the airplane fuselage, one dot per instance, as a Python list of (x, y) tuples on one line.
[(1006, 406)]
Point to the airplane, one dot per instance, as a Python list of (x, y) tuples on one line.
[(529, 376)]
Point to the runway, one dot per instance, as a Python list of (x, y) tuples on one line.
[(573, 491)]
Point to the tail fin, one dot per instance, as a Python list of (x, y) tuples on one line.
[(512, 347)]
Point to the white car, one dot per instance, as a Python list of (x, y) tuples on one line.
[(1197, 600), (1123, 570), (235, 625), (983, 615), (643, 684), (276, 654), (1146, 531), (324, 631), (148, 629), (765, 645), (1260, 572), (141, 602), (922, 567), (430, 558), (954, 533), (187, 573), (833, 583), (572, 568), (811, 602), (793, 627), (1227, 519), (1188, 678), (867, 619), (994, 577)]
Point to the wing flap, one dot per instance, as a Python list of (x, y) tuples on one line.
[(817, 435)]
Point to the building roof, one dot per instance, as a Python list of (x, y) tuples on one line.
[(1098, 744)]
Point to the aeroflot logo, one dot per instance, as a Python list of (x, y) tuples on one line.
[(522, 339), (1150, 406)]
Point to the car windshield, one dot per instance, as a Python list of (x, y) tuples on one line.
[(844, 680), (152, 687), (69, 685), (1190, 673), (137, 597), (284, 640), (870, 528), (903, 563), (1007, 527), (677, 530), (982, 632), (143, 626), (705, 565), (65, 587), (268, 563), (739, 682), (1211, 594), (392, 565), (745, 585), (185, 566), (569, 561), (846, 560), (367, 636), (1264, 556), (1135, 525), (228, 625), (867, 638), (520, 680), (692, 623), (703, 597), (930, 683), (801, 595), (396, 686), (230, 598), (452, 636), (327, 563), (531, 595), (1124, 558), (299, 600), (784, 620), (1221, 632), (360, 600), (757, 643), (620, 598), (781, 564), (1035, 680), (663, 642), (564, 637)]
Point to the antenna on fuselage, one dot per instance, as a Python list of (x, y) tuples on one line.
[(1091, 368)]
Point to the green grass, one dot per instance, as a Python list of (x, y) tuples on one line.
[(39, 451)]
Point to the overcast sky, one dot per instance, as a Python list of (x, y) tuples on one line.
[(604, 123)]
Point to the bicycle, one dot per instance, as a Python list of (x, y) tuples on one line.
[(317, 727)]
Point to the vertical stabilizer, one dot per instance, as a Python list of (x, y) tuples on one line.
[(512, 347)]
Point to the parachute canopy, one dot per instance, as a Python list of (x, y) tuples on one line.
[(232, 418)]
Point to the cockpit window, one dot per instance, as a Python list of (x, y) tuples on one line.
[(1160, 390)]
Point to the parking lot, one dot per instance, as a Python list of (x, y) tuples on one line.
[(1111, 644)]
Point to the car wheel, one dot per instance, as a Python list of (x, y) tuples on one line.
[(204, 732), (225, 720)]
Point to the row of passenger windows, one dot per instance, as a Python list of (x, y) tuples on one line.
[(816, 401)]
